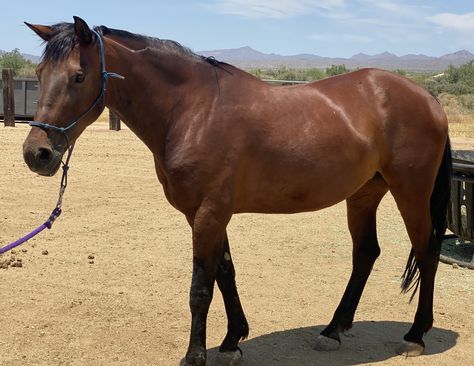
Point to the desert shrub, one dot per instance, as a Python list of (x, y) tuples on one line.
[(20, 65), (455, 80), (336, 70)]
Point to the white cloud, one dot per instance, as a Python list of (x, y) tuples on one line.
[(461, 22), (398, 8), (386, 5), (274, 9)]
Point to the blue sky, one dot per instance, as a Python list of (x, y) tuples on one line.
[(324, 27)]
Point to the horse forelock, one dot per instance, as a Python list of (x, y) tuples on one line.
[(62, 42)]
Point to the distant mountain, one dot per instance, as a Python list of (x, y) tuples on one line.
[(33, 58), (240, 54), (361, 57), (458, 55), (247, 57)]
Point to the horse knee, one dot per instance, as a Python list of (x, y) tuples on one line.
[(199, 298)]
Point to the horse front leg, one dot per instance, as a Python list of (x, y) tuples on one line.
[(237, 326), (208, 245)]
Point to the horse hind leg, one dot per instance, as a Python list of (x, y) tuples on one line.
[(361, 215), (424, 213), (421, 266)]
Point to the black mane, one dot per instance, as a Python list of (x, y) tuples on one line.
[(163, 44), (63, 41)]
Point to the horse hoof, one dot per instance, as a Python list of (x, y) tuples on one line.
[(184, 362), (410, 349), (231, 358), (326, 344), (195, 360)]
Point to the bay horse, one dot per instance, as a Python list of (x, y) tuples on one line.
[(225, 142)]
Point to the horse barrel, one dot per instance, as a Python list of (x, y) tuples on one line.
[(461, 207)]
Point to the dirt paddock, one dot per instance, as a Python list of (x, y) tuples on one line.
[(108, 285)]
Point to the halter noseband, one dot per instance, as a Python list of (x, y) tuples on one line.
[(104, 76)]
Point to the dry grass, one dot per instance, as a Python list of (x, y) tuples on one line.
[(104, 117), (461, 118), (461, 125)]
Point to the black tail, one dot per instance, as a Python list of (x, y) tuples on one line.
[(438, 208), (441, 194)]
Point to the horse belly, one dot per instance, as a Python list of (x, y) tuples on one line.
[(307, 188)]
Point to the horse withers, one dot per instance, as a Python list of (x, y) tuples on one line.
[(225, 142)]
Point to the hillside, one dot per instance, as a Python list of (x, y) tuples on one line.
[(247, 57)]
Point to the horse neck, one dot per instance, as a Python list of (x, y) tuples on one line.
[(155, 89)]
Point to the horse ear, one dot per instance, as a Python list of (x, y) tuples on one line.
[(83, 32), (44, 31)]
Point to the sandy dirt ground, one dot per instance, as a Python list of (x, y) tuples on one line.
[(130, 306)]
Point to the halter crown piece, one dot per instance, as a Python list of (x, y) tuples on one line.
[(46, 126)]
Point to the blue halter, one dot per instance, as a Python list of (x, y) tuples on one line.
[(104, 76)]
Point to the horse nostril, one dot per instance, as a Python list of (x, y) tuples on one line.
[(44, 155)]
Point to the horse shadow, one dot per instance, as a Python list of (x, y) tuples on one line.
[(367, 342)]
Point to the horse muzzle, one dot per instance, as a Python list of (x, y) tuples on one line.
[(42, 159)]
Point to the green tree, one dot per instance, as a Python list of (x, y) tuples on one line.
[(400, 72), (14, 60), (314, 74), (336, 70), (455, 80)]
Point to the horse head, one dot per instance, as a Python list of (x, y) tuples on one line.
[(71, 92)]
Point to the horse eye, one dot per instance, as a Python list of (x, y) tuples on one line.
[(80, 77)]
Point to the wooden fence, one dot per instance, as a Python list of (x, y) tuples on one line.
[(20, 98), (8, 98)]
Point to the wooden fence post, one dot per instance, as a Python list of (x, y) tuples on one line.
[(114, 121), (8, 98)]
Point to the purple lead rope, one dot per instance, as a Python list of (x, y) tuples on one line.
[(47, 225), (54, 215), (64, 130)]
